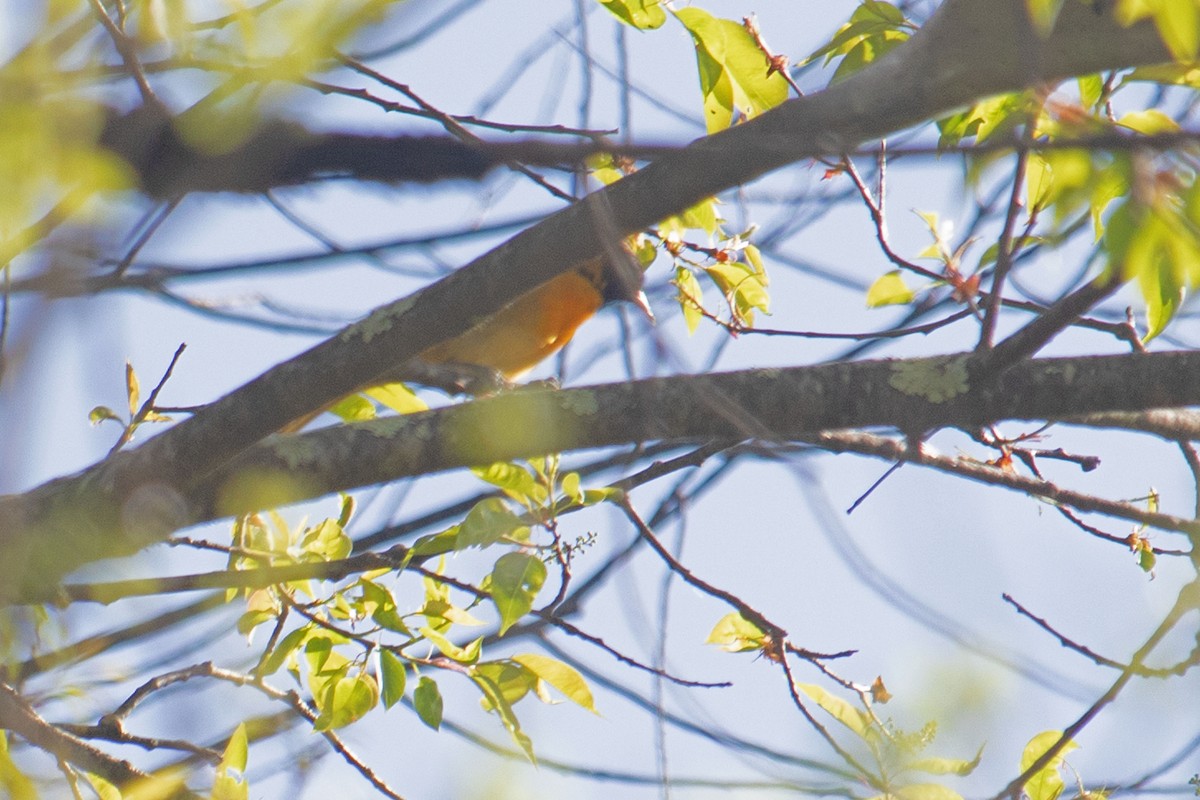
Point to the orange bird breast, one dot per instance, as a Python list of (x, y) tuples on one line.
[(515, 339)]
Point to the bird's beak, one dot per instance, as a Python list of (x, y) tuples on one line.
[(641, 301)]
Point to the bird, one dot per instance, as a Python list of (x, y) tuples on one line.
[(518, 337)]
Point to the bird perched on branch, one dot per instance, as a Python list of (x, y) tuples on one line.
[(509, 343)]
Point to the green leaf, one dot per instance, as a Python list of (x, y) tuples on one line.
[(465, 655), (743, 287), (690, 297), (427, 700), (1148, 122), (515, 481), (889, 289), (19, 786), (345, 701), (104, 790), (394, 675), (946, 766), (641, 14), (515, 582), (101, 413), (132, 389), (513, 681), (571, 486), (733, 71), (286, 648), (736, 634), (378, 603), (926, 791), (561, 676), (230, 782), (326, 541), (857, 721), (1046, 783), (237, 751), (353, 408), (489, 521), (498, 702)]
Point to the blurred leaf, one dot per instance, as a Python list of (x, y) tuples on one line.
[(488, 522), (237, 751), (736, 634), (1148, 122), (19, 786), (946, 766), (889, 289), (515, 481), (285, 649), (1046, 783), (641, 14), (101, 413), (327, 541), (857, 721), (464, 655), (345, 700), (925, 791), (743, 288), (380, 605), (427, 700), (393, 674), (353, 408), (133, 390), (690, 297), (515, 582), (1091, 88), (561, 676), (398, 398), (496, 701)]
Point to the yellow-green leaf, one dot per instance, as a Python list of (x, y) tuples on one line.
[(641, 14), (733, 70), (889, 289), (690, 297), (394, 675), (427, 700), (839, 709), (345, 701), (736, 634), (1046, 783), (398, 398), (1148, 122), (515, 582), (464, 655), (561, 676)]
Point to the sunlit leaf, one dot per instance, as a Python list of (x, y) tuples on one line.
[(488, 522), (1148, 122), (427, 700), (561, 676), (345, 700), (854, 719), (1046, 783), (515, 582), (889, 289), (733, 70), (640, 14), (398, 398), (736, 634), (393, 675)]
